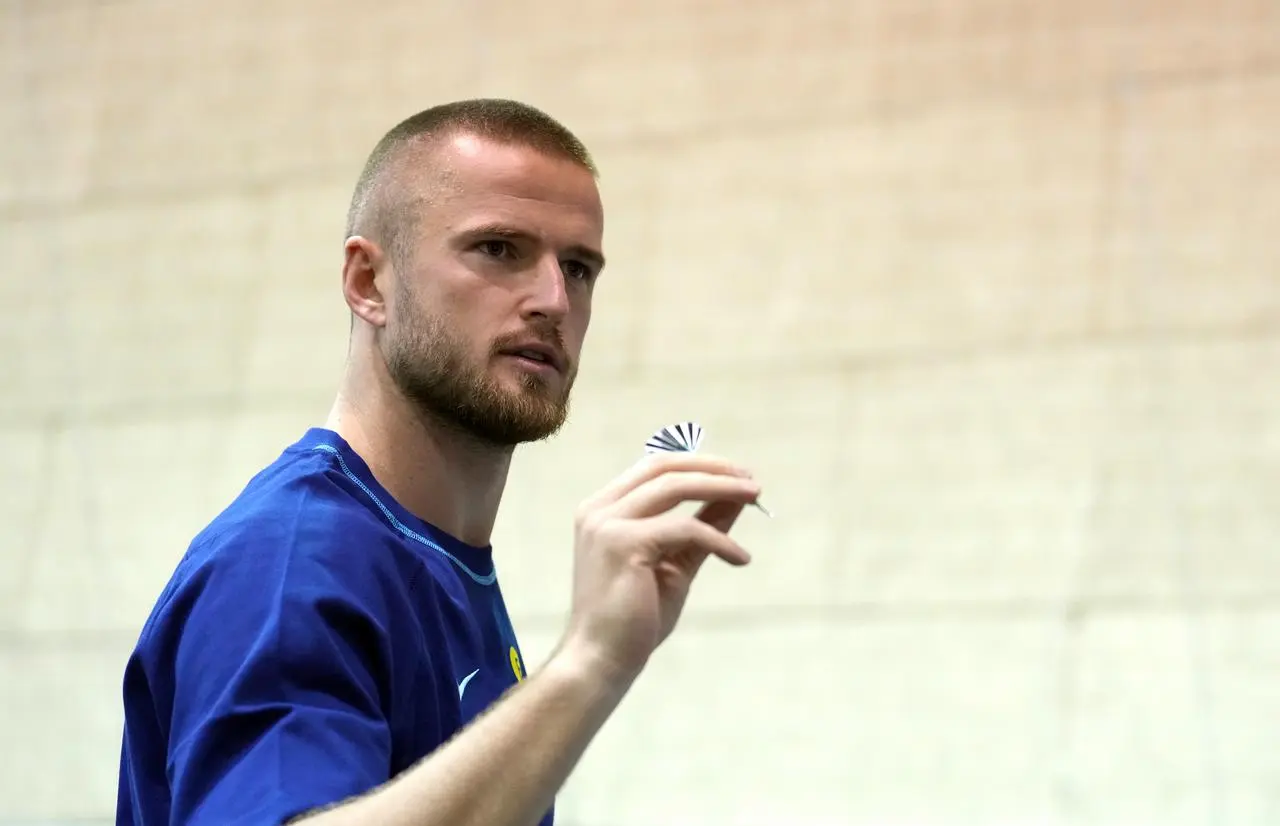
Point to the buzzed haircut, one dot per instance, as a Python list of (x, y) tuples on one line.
[(499, 120)]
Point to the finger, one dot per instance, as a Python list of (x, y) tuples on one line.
[(664, 492), (721, 515), (676, 535), (654, 465), (678, 574), (685, 564)]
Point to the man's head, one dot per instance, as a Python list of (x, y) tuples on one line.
[(473, 245)]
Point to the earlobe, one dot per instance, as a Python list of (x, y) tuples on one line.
[(363, 264)]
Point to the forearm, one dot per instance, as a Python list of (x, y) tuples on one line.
[(506, 767)]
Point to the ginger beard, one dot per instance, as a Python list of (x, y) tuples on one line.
[(432, 366)]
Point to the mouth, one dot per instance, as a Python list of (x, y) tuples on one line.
[(538, 354)]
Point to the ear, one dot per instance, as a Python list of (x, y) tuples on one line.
[(363, 263)]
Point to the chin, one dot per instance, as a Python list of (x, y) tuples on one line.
[(546, 389), (527, 431)]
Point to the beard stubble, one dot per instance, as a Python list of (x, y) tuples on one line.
[(429, 361)]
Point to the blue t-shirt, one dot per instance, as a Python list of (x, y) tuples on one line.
[(315, 641)]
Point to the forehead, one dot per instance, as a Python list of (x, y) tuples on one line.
[(481, 179)]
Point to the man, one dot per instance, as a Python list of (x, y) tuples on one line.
[(333, 648)]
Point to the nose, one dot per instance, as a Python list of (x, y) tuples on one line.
[(549, 295)]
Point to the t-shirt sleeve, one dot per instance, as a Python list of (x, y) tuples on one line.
[(280, 662)]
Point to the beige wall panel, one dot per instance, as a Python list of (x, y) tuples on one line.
[(874, 722), (26, 511), (288, 90), (1133, 745), (132, 496), (1188, 486), (144, 304), (971, 479), (61, 723), (229, 92), (962, 228), (1242, 672), (37, 347), (295, 320), (1196, 206), (258, 93), (48, 107), (682, 67), (252, 437)]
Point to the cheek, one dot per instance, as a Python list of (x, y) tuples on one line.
[(415, 325), (403, 318), (579, 320)]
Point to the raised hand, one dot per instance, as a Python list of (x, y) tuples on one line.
[(636, 556)]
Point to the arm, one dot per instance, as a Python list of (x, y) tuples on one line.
[(634, 564), (267, 671), (507, 766)]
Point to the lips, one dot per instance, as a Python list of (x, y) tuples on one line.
[(537, 351)]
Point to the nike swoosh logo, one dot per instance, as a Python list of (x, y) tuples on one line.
[(462, 686)]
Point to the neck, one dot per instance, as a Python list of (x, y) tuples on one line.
[(440, 475)]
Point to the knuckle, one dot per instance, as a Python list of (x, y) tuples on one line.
[(669, 483), (609, 533), (591, 519), (598, 525), (592, 523)]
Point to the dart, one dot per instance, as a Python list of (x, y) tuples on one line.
[(684, 437)]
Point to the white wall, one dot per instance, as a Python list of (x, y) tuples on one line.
[(989, 293)]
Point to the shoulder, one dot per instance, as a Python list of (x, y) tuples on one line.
[(302, 506), (298, 532)]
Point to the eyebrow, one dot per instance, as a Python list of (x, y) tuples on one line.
[(497, 230)]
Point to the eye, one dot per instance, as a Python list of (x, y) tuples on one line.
[(577, 270), (496, 249)]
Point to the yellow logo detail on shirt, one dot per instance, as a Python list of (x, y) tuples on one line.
[(516, 666)]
